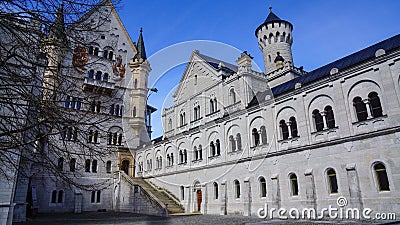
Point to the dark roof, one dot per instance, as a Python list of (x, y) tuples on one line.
[(157, 139), (141, 51), (153, 109), (270, 19), (57, 28), (341, 64), (230, 68)]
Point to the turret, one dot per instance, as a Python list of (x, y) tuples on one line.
[(275, 41), (54, 45), (140, 68)]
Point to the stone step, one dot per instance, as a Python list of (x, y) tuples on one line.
[(171, 205)]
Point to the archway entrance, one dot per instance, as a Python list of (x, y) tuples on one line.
[(125, 166), (199, 199)]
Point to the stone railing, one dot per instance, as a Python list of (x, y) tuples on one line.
[(148, 196)]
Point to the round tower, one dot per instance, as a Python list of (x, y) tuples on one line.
[(140, 68), (275, 41)]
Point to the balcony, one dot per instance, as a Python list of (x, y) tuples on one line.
[(234, 107), (95, 85)]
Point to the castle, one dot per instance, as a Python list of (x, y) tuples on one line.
[(235, 139)]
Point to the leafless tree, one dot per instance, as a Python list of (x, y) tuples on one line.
[(36, 129)]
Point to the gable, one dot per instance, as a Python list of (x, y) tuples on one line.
[(200, 74), (197, 77)]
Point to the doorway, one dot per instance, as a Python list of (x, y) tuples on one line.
[(125, 166), (199, 199)]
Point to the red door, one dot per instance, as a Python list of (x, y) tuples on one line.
[(199, 199)]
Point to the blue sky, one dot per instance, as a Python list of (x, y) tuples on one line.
[(323, 31)]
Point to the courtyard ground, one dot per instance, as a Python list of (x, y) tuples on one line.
[(129, 218)]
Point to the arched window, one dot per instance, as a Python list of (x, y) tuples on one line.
[(215, 190), (200, 152), (185, 155), (135, 85), (195, 113), (72, 164), (134, 111), (98, 75), (170, 124), (332, 180), (116, 110), (60, 164), (238, 142), (54, 196), (98, 196), (232, 96), (237, 189), (232, 143), (256, 137), (120, 139), (90, 50), (96, 51), (284, 129), (263, 135), (277, 37), (182, 192), (263, 187), (87, 165), (95, 136), (94, 166), (196, 153), (91, 74), (60, 196), (98, 107), (105, 77), (108, 166), (294, 185), (361, 109), (212, 109), (195, 79), (112, 109), (110, 55), (218, 145), (330, 118), (381, 177), (215, 104), (93, 197), (180, 156), (270, 38), (293, 126), (212, 149), (375, 104), (269, 58), (172, 159), (105, 54), (318, 120)]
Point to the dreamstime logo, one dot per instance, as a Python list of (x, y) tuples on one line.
[(329, 212)]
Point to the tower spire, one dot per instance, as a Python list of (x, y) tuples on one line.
[(57, 28), (141, 51)]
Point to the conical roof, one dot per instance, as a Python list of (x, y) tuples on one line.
[(57, 28), (272, 17), (141, 51)]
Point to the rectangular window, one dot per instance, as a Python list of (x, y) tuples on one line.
[(93, 197), (94, 166)]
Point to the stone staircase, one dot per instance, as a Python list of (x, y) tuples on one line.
[(170, 201)]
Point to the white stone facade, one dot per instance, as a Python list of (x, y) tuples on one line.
[(245, 147)]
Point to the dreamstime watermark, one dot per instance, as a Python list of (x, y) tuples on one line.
[(330, 212)]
